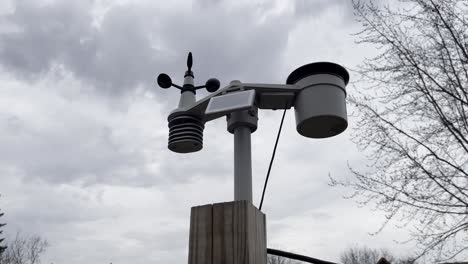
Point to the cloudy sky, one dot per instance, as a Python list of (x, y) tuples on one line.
[(83, 134)]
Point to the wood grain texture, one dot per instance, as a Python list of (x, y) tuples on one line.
[(201, 235), (237, 233)]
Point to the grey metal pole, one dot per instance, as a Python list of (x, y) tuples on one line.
[(242, 124), (242, 164)]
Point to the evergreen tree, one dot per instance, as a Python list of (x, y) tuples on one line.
[(2, 247)]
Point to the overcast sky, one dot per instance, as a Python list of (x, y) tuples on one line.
[(83, 133)]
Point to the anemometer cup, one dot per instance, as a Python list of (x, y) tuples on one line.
[(320, 106)]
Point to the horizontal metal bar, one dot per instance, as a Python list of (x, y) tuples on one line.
[(290, 255)]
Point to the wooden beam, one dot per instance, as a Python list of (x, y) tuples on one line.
[(227, 233), (201, 235)]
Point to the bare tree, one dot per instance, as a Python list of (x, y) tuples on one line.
[(2, 247), (24, 250), (364, 255), (272, 259), (413, 109)]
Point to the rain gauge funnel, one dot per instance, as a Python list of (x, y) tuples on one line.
[(320, 106)]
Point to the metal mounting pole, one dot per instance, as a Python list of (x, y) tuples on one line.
[(242, 124), (242, 164)]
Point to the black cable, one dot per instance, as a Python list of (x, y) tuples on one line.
[(271, 161), (290, 255), (277, 252)]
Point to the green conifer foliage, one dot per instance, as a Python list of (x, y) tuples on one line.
[(2, 247)]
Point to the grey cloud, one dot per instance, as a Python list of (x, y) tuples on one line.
[(308, 8), (237, 43), (114, 56), (43, 31), (208, 3), (51, 207), (314, 8), (47, 137), (81, 143), (166, 240), (133, 43), (85, 153), (117, 55)]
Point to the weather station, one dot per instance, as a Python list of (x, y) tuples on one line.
[(235, 232)]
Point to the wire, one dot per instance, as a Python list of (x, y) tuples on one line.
[(290, 255), (277, 252), (271, 161)]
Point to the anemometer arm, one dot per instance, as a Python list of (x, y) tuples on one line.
[(316, 90), (267, 96)]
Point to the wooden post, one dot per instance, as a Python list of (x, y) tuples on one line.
[(227, 233)]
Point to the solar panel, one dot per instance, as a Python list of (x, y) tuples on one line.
[(235, 101)]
